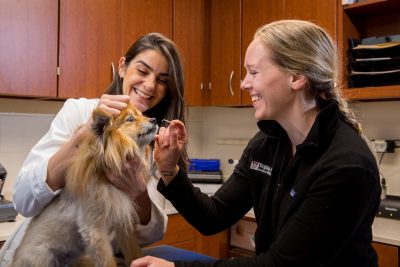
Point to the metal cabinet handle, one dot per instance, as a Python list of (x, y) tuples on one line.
[(230, 83), (201, 86), (113, 70), (209, 86)]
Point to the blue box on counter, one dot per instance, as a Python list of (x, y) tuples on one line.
[(204, 165)]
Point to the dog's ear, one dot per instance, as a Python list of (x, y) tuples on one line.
[(100, 122)]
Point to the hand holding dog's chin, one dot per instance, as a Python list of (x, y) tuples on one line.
[(149, 261), (131, 180)]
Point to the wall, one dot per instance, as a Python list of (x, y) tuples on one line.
[(22, 124), (380, 120), (213, 133)]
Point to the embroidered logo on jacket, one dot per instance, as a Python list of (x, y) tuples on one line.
[(258, 166)]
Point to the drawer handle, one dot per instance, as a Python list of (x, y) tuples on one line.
[(112, 70), (230, 83)]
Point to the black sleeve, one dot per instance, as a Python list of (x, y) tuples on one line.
[(335, 207), (210, 215)]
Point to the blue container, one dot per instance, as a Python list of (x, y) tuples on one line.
[(204, 165)]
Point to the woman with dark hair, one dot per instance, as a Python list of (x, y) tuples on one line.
[(309, 173), (150, 77)]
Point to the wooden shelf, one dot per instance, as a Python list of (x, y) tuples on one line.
[(370, 7), (373, 93)]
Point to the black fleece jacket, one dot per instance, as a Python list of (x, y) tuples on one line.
[(315, 208)]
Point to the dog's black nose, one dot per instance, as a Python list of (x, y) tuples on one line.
[(153, 120)]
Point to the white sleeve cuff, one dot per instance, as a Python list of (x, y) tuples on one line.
[(155, 229)]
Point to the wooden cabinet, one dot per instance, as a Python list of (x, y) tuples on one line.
[(182, 235), (191, 34), (28, 48), (321, 12), (237, 21), (81, 40), (388, 255), (90, 42), (366, 19), (254, 15), (143, 16), (95, 34), (84, 38), (225, 52)]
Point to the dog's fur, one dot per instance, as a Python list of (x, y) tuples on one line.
[(74, 229)]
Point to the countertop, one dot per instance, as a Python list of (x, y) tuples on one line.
[(385, 231), (7, 228)]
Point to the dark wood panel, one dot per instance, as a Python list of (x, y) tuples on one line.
[(28, 47), (181, 234), (225, 52), (178, 231), (90, 41), (254, 15), (373, 93), (321, 12), (143, 16), (388, 256), (191, 34)]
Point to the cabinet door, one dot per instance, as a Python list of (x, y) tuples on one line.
[(28, 47), (143, 16), (321, 12), (225, 52), (191, 31), (182, 235), (388, 256), (179, 233), (90, 41), (254, 15)]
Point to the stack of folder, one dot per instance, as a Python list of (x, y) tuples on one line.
[(374, 61)]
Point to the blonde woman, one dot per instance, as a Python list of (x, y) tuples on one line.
[(309, 174)]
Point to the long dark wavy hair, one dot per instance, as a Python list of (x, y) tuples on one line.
[(173, 105)]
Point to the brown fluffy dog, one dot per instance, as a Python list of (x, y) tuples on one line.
[(74, 229)]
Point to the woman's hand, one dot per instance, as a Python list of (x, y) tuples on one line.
[(132, 179), (113, 104), (169, 146), (149, 261)]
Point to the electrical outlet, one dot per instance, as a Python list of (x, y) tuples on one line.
[(387, 146), (379, 145), (233, 163)]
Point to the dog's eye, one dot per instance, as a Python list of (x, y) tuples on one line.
[(130, 118)]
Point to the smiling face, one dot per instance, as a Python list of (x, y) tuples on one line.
[(268, 85), (145, 79)]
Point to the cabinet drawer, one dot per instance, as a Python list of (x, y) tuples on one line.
[(178, 231)]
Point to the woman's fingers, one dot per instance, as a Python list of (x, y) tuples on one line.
[(113, 104)]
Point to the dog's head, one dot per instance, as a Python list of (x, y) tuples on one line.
[(124, 135)]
